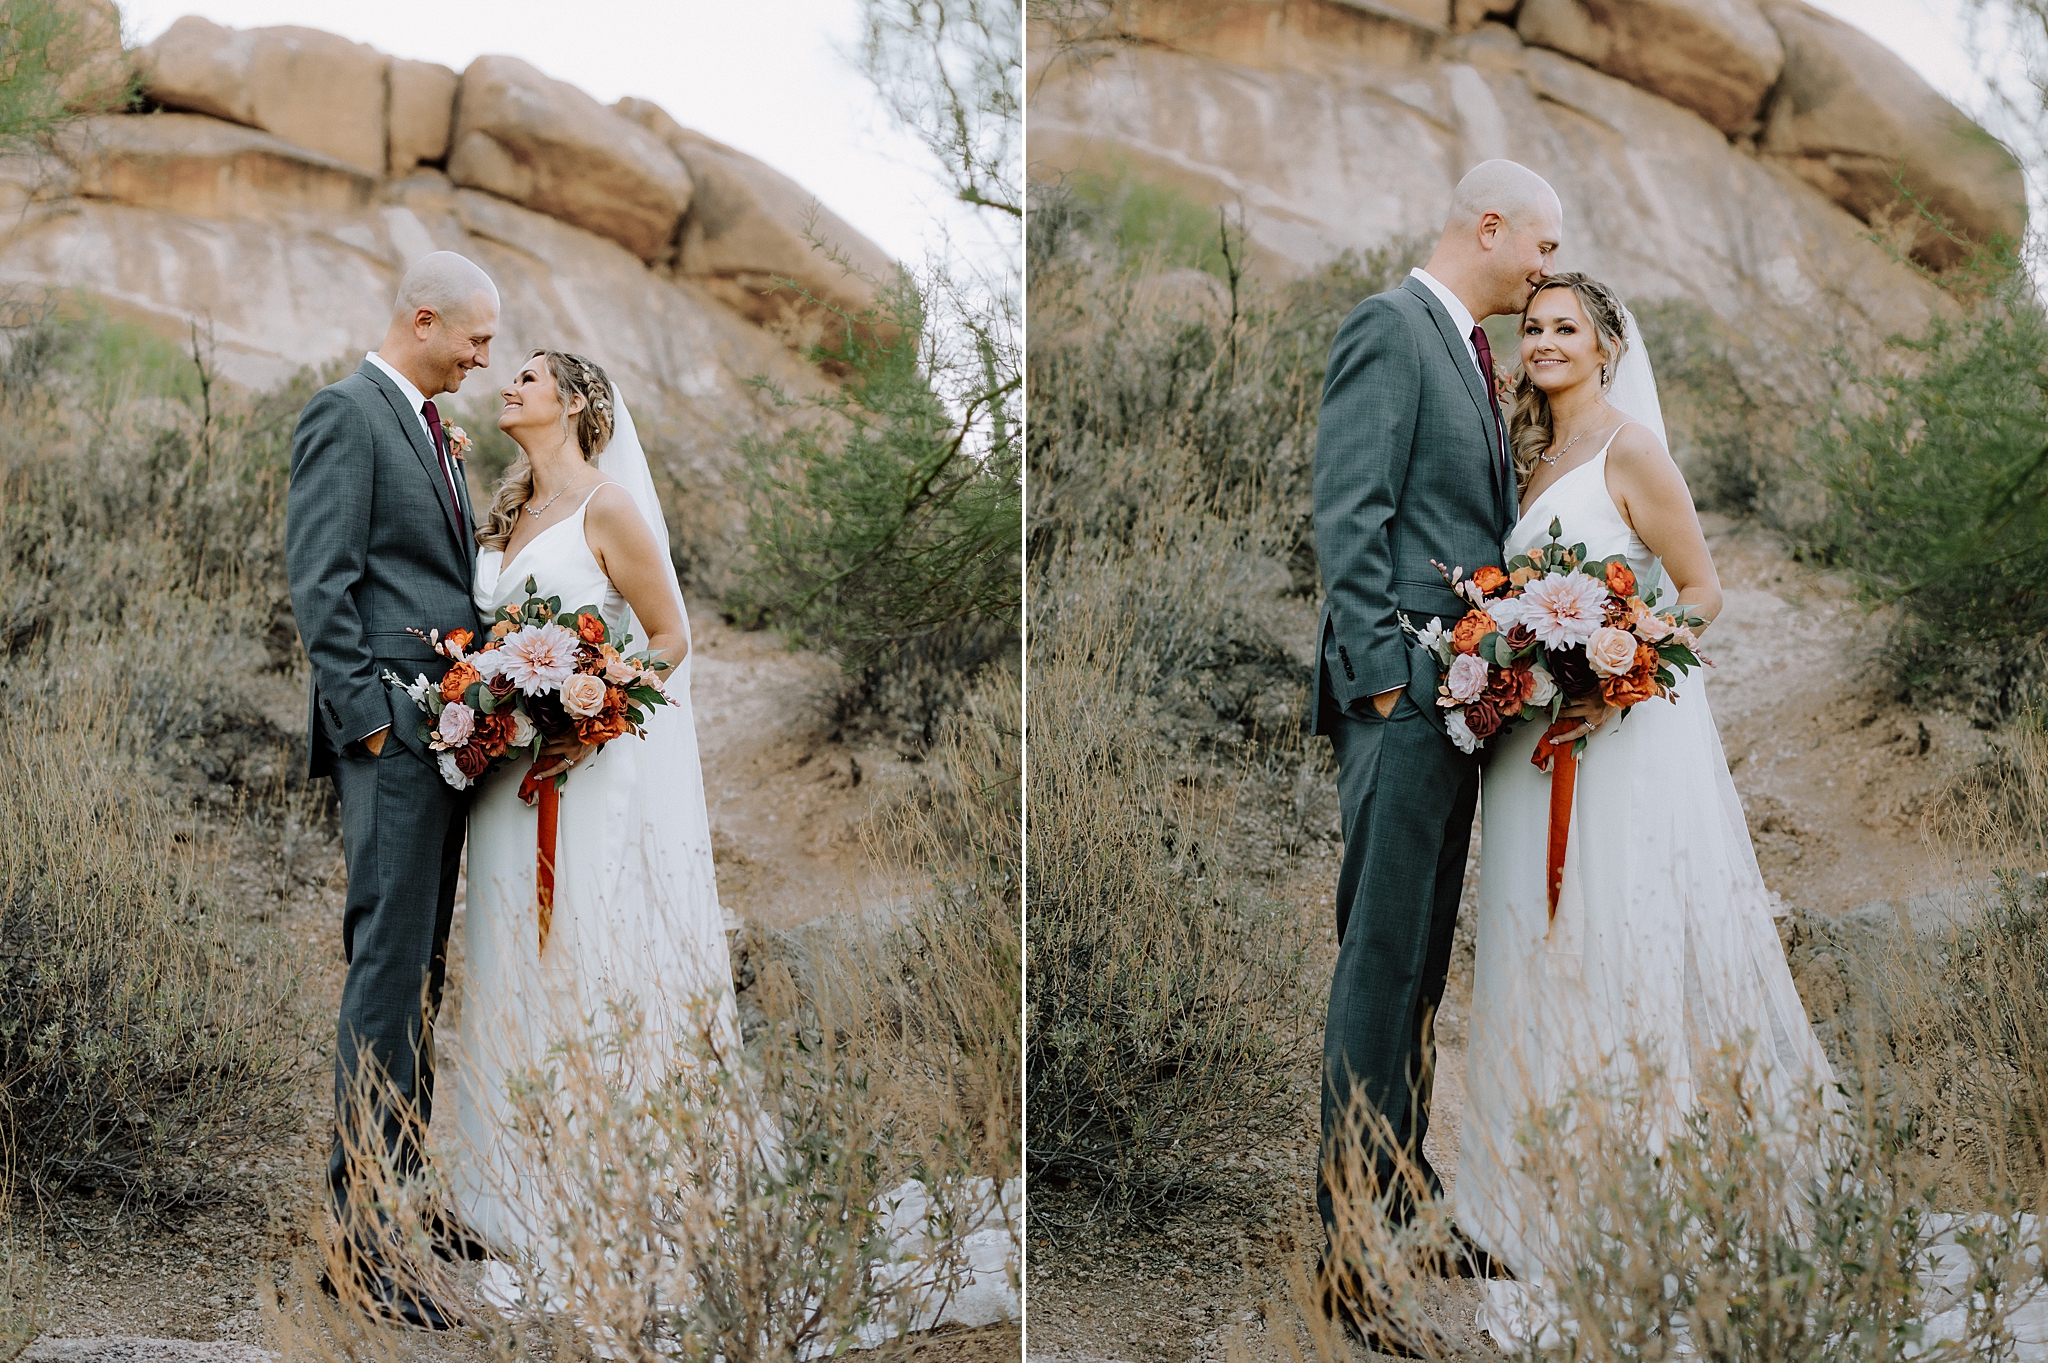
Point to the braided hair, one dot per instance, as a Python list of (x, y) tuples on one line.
[(592, 428)]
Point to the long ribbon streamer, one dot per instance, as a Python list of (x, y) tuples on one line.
[(548, 797), (1564, 774)]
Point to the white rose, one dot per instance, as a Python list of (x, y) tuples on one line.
[(1506, 612), (1546, 688), (523, 731), (451, 773), (1612, 652), (1460, 732)]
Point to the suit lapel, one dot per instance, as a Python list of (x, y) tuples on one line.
[(409, 422), (1455, 345)]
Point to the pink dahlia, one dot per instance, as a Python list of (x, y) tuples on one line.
[(1564, 608), (539, 658)]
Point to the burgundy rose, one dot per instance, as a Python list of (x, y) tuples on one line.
[(1482, 717), (1519, 636), (1573, 673), (471, 760)]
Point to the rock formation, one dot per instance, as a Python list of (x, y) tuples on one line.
[(1739, 153), (283, 178)]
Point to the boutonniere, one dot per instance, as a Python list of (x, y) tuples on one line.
[(458, 441)]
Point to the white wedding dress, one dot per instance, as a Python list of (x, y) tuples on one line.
[(636, 921), (1663, 951)]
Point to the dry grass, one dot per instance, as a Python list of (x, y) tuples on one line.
[(751, 1205)]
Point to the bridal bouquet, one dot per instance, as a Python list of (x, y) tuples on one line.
[(1551, 629), (540, 674)]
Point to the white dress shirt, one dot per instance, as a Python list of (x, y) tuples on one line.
[(419, 402), (1461, 315)]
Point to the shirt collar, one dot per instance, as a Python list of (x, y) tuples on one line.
[(1460, 314), (418, 399)]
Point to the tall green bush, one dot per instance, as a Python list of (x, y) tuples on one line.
[(1936, 473)]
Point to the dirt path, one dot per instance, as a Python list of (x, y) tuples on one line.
[(1833, 773), (788, 801)]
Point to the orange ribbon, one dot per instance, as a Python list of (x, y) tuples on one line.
[(549, 799), (1564, 775)]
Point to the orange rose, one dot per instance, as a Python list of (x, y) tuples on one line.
[(609, 722), (1467, 633), (590, 629), (1620, 580), (1638, 685), (502, 628), (1522, 577), (459, 640), (1510, 688), (457, 680), (1489, 579), (493, 732)]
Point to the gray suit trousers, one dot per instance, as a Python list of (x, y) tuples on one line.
[(402, 828), (1407, 796)]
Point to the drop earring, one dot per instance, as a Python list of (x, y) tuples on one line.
[(1603, 376)]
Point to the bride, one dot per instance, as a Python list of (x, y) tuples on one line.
[(635, 917), (1662, 959)]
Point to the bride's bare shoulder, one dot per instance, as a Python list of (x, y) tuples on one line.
[(1636, 448)]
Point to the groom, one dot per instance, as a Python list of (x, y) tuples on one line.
[(1411, 465), (380, 539)]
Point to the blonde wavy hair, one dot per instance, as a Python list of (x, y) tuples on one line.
[(1530, 429), (592, 428)]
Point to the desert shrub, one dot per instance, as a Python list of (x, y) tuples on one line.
[(136, 1046), (1165, 1025), (1937, 502), (886, 528)]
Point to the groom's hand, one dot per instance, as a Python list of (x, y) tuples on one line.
[(375, 742), (1385, 701)]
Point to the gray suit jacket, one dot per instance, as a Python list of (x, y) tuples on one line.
[(1406, 472), (373, 550)]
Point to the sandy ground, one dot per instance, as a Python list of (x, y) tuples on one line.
[(1833, 773), (789, 801)]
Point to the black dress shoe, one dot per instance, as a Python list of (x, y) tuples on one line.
[(1467, 1259), (384, 1301), (1340, 1305), (453, 1241)]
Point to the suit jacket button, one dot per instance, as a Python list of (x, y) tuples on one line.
[(1345, 658)]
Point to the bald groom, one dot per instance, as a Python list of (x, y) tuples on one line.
[(380, 540), (1411, 465)]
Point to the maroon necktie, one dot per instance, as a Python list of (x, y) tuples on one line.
[(1492, 396), (433, 416)]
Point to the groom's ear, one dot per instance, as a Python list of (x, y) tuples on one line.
[(1490, 225)]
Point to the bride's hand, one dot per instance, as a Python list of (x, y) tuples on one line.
[(567, 751), (1591, 712)]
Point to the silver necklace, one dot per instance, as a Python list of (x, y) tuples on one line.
[(548, 503), (1553, 458)]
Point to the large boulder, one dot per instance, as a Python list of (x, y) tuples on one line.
[(206, 167), (1718, 58), (422, 113), (545, 144), (745, 235), (317, 90), (1853, 121), (89, 54), (1354, 152)]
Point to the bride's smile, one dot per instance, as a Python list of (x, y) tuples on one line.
[(1560, 350)]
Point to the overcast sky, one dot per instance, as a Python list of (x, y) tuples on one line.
[(761, 75)]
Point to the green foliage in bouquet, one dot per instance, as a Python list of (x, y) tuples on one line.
[(1938, 501)]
